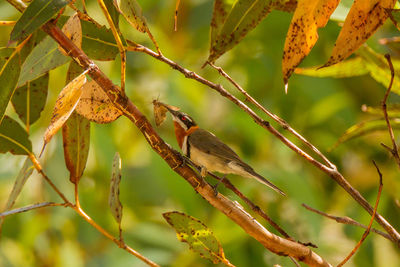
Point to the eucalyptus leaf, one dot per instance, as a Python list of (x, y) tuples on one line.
[(113, 197), (35, 15), (13, 138)]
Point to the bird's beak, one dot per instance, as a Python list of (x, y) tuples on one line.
[(173, 112)]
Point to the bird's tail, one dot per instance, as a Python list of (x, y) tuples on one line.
[(267, 183)]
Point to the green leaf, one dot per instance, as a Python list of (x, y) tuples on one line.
[(22, 177), (76, 140), (220, 12), (367, 127), (44, 57), (244, 16), (9, 73), (113, 197), (392, 109), (112, 10), (349, 68), (35, 15), (13, 138), (30, 99), (379, 68), (199, 237), (132, 12), (5, 53), (98, 43)]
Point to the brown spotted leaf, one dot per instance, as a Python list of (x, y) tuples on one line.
[(95, 105), (132, 12), (73, 30), (76, 140), (364, 18), (243, 17), (302, 34), (65, 104), (199, 237), (113, 197)]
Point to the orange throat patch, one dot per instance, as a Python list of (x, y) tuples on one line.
[(181, 133)]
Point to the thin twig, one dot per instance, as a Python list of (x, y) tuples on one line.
[(117, 38), (87, 218), (332, 172), (364, 236), (39, 169), (394, 150), (275, 117), (347, 220), (32, 207)]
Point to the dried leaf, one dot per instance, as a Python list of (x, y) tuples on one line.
[(9, 73), (65, 104), (30, 99), (199, 237), (302, 34), (22, 177), (160, 110), (76, 140), (14, 138), (35, 15), (73, 30), (113, 197), (364, 18), (132, 12), (95, 105)]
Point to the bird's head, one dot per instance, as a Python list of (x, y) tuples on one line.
[(182, 119)]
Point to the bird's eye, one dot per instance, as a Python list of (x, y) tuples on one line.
[(183, 118)]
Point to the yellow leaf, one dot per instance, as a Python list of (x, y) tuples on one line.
[(65, 104), (73, 30), (364, 18), (302, 34), (95, 105)]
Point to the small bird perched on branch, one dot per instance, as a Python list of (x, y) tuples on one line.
[(209, 152)]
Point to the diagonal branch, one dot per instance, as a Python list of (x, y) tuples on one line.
[(270, 241), (332, 172)]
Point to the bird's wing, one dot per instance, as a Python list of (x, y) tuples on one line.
[(210, 144)]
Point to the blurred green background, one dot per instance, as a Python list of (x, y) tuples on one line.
[(319, 109)]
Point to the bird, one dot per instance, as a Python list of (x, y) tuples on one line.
[(208, 152)]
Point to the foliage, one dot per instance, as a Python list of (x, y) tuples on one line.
[(248, 39)]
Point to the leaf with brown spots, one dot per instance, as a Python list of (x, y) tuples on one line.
[(65, 104), (199, 237), (160, 111), (243, 17), (364, 18), (302, 34), (132, 12), (73, 30), (76, 140), (95, 105), (113, 197)]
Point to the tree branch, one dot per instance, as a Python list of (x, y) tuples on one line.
[(332, 172), (270, 241)]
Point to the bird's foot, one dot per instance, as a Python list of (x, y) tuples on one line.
[(215, 187)]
